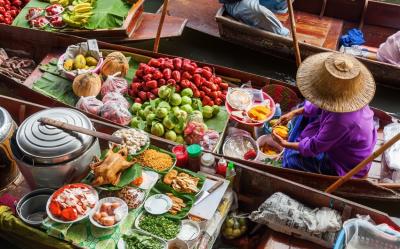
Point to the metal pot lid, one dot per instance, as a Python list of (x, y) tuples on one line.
[(6, 123), (49, 145)]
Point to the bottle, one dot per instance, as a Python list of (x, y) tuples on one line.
[(208, 163), (194, 160), (221, 167), (230, 173), (181, 155)]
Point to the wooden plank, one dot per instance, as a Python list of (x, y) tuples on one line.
[(383, 14), (374, 35), (200, 14), (173, 26)]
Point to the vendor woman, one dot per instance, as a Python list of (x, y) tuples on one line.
[(334, 130)]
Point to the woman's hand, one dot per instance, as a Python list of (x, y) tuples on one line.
[(284, 119), (284, 143)]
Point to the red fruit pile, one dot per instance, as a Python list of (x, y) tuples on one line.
[(180, 73), (9, 9)]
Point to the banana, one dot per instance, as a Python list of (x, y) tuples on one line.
[(82, 5), (83, 9)]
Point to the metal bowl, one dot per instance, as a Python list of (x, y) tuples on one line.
[(32, 207)]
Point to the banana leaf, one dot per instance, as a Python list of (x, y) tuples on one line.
[(188, 199), (200, 184)]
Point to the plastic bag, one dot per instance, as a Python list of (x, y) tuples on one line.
[(195, 129), (392, 154), (210, 140), (234, 226), (114, 84), (116, 112), (90, 104), (117, 98)]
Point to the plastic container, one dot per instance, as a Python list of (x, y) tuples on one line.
[(208, 163), (181, 155), (267, 139), (122, 212), (194, 160)]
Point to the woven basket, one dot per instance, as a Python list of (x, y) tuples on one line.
[(283, 95)]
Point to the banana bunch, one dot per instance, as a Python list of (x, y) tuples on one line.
[(78, 14), (64, 3), (282, 131)]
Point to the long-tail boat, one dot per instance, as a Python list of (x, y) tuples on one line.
[(252, 186), (319, 26), (39, 45)]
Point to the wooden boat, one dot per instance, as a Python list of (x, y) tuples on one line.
[(320, 24), (39, 44), (253, 186)]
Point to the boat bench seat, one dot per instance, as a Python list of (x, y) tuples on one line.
[(311, 29)]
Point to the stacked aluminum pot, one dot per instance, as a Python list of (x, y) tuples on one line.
[(51, 157), (8, 167)]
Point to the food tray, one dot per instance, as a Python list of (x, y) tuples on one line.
[(200, 184), (121, 242), (137, 221), (163, 151)]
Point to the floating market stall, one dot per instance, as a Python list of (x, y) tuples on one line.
[(287, 96), (124, 214), (116, 20)]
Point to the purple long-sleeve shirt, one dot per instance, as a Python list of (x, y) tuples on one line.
[(347, 138)]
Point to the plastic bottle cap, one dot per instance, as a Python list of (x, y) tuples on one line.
[(194, 150), (231, 165)]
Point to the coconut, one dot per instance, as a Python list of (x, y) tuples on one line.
[(88, 84), (114, 63)]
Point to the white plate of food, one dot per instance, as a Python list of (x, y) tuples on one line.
[(158, 204)]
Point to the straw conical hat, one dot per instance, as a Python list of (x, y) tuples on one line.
[(335, 82)]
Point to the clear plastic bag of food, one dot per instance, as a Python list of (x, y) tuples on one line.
[(117, 98), (234, 226), (116, 113), (114, 84), (90, 104), (210, 140), (195, 128)]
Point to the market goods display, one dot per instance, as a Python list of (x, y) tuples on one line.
[(134, 140), (234, 226), (133, 197), (181, 74), (108, 170), (9, 9), (159, 226), (17, 68), (88, 84), (80, 62), (138, 240), (90, 104), (182, 182), (117, 98), (259, 113), (72, 202), (116, 112), (154, 159), (110, 212), (78, 15)]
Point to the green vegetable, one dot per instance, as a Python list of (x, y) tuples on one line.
[(175, 99), (178, 129), (168, 123), (181, 115), (187, 92), (207, 111), (160, 226), (215, 110), (141, 241), (170, 135), (150, 118), (164, 104), (187, 108), (164, 92), (161, 112), (141, 114), (186, 100), (135, 122), (157, 129), (147, 111), (196, 104), (175, 110), (136, 107), (179, 139)]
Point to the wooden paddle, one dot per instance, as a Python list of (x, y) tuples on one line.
[(361, 165), (69, 127), (294, 33), (160, 26)]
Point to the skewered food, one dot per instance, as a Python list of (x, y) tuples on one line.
[(108, 171)]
